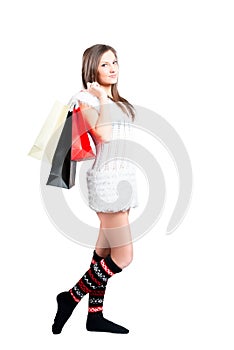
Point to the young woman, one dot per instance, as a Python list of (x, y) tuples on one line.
[(111, 185)]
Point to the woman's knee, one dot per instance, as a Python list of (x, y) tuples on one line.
[(122, 256), (126, 261), (103, 252), (123, 261)]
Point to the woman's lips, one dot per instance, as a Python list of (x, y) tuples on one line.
[(113, 76)]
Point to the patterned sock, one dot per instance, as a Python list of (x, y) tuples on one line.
[(97, 275), (97, 323), (96, 297), (95, 320)]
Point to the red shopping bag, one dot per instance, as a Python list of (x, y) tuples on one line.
[(81, 148)]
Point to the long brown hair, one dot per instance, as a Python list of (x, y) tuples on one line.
[(90, 62)]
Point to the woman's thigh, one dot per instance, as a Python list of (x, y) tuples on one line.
[(116, 231), (102, 244), (115, 228)]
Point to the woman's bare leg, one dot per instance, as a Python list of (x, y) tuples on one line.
[(102, 245), (115, 234)]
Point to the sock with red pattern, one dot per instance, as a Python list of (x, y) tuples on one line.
[(95, 320), (97, 276), (96, 297)]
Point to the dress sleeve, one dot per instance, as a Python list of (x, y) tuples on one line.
[(86, 98)]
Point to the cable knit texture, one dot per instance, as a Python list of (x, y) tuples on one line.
[(111, 180)]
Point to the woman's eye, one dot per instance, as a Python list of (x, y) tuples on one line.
[(105, 64)]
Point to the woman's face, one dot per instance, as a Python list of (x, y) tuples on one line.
[(108, 69)]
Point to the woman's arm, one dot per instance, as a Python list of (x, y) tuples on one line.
[(98, 123)]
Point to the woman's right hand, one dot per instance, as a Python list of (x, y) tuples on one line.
[(97, 90)]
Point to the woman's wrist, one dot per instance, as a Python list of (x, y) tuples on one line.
[(103, 98)]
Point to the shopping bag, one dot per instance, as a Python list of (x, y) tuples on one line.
[(63, 169), (55, 119), (81, 148)]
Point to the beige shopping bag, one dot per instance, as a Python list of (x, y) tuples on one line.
[(55, 119)]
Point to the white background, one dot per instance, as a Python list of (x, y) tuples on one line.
[(176, 57)]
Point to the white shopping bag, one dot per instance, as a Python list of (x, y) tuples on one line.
[(55, 119)]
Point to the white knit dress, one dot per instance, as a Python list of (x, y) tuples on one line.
[(111, 180)]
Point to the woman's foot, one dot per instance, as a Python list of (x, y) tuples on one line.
[(66, 305), (97, 323)]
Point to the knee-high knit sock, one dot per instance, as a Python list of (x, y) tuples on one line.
[(95, 320), (96, 297), (96, 276)]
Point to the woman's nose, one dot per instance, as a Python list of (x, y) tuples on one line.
[(112, 69)]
